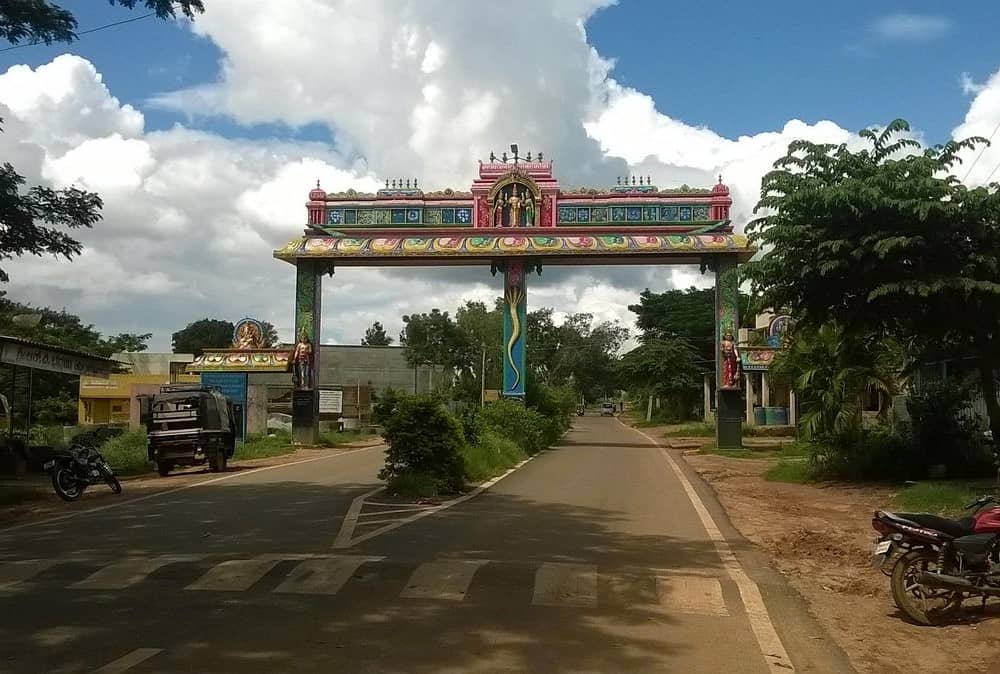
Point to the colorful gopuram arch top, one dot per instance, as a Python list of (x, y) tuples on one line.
[(516, 217)]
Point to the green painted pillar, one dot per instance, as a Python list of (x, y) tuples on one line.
[(305, 355), (515, 326), (729, 394)]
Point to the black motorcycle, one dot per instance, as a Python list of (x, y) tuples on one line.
[(75, 469)]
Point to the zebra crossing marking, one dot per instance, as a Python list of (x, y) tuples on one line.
[(12, 573), (691, 594), (322, 576), (558, 584), (127, 573), (447, 579), (235, 575)]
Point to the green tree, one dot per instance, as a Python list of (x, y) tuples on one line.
[(684, 314), (435, 338), (885, 241), (376, 336), (207, 333), (33, 221), (831, 374), (665, 367)]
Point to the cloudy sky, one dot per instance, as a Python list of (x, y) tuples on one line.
[(204, 139)]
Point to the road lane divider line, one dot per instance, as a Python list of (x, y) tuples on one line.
[(447, 579), (168, 492), (344, 537), (128, 661), (769, 643)]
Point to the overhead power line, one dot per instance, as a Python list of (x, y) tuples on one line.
[(981, 151), (84, 32)]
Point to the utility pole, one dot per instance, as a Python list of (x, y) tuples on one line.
[(482, 381)]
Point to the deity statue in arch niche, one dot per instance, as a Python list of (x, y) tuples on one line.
[(730, 361), (514, 206), (248, 335)]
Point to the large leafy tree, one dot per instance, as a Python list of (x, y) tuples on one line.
[(376, 336), (35, 220), (667, 368), (885, 241), (435, 338), (207, 333)]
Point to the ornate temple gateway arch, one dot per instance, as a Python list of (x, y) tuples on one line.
[(515, 218)]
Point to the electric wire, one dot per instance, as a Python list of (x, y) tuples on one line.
[(35, 43)]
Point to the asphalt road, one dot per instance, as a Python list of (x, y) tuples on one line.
[(596, 556)]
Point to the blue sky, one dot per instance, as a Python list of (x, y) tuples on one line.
[(736, 67)]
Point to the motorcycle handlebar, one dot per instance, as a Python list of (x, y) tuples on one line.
[(982, 500)]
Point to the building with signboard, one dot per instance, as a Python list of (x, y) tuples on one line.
[(114, 399)]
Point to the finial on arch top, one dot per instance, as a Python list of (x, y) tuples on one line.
[(317, 193)]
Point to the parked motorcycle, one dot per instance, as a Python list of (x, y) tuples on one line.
[(75, 469), (938, 562)]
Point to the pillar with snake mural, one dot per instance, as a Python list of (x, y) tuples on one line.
[(515, 323)]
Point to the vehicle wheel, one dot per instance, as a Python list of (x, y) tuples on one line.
[(67, 487), (110, 478), (217, 464), (923, 605), (164, 468)]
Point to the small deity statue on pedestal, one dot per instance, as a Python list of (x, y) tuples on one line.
[(498, 211), (529, 210), (515, 202), (301, 361), (730, 361)]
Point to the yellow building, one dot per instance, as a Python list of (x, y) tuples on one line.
[(115, 400)]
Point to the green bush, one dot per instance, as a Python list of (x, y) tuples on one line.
[(491, 456), (941, 434), (875, 454), (276, 443), (127, 452), (384, 406), (511, 419), (423, 438)]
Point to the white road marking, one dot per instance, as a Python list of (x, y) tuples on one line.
[(442, 579), (344, 536), (12, 573), (127, 573), (322, 576), (128, 661), (235, 575), (768, 641), (559, 584), (167, 492), (343, 539), (691, 594)]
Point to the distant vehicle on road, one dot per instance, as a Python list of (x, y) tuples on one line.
[(607, 409), (190, 426)]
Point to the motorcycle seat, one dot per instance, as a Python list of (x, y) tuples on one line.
[(955, 528)]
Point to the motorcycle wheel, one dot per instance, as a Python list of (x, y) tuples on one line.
[(67, 487), (923, 605), (110, 478)]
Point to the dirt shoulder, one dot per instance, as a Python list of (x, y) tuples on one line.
[(820, 538), (32, 498)]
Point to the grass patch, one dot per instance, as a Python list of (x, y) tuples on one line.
[(697, 429), (796, 471), (127, 453), (338, 438), (734, 453), (413, 485), (491, 456), (942, 498), (264, 446)]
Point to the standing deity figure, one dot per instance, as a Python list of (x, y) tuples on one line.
[(498, 212), (529, 210), (730, 361), (515, 202), (302, 363)]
